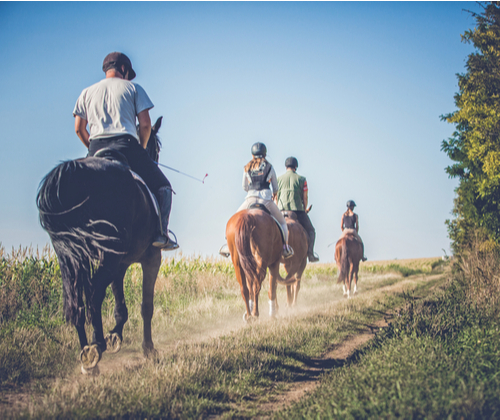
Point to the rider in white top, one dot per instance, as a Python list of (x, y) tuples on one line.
[(261, 184)]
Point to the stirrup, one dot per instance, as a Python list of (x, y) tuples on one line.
[(287, 252), (166, 243), (224, 251)]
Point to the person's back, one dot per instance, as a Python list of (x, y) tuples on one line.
[(293, 196), (111, 106), (109, 109), (290, 191)]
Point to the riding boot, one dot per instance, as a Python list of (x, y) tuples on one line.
[(363, 258), (310, 250), (287, 251), (164, 196)]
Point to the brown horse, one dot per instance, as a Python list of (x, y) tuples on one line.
[(295, 266), (348, 254), (255, 243)]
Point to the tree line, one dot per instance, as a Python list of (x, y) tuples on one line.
[(474, 146)]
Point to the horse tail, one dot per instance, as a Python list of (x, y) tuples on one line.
[(243, 235), (344, 262), (63, 201)]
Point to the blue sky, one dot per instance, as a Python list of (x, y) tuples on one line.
[(353, 90)]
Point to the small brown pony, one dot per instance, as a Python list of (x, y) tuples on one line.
[(255, 243), (348, 253), (295, 266)]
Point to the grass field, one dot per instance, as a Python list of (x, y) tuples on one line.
[(211, 363)]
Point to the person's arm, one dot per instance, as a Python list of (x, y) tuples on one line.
[(305, 198), (144, 127), (245, 183), (81, 130), (342, 223), (357, 223)]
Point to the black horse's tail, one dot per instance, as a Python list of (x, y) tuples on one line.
[(64, 203), (344, 262)]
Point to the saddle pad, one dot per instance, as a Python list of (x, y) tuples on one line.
[(262, 207)]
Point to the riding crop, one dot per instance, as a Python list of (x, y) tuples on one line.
[(182, 173)]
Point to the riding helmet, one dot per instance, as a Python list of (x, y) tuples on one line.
[(259, 150), (291, 162), (351, 203), (115, 60)]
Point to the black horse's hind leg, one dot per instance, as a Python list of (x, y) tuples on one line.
[(100, 281), (150, 266), (120, 312), (80, 323)]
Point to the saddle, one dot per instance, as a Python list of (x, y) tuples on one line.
[(260, 206), (110, 153)]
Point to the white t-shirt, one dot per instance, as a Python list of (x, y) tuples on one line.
[(110, 107)]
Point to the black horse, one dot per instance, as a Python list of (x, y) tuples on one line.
[(100, 221)]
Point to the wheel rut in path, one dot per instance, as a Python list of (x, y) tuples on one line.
[(318, 366)]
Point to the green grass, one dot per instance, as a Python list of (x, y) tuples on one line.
[(208, 362)]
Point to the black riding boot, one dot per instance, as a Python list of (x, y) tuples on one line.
[(164, 196), (310, 250)]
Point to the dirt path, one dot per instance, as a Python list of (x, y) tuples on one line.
[(316, 367)]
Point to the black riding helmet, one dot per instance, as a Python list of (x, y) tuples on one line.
[(351, 203), (259, 150), (291, 162), (116, 60)]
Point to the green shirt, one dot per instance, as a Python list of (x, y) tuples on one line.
[(291, 191)]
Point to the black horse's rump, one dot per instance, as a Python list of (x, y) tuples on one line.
[(73, 202), (100, 221)]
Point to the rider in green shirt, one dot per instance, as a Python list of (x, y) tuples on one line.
[(293, 196)]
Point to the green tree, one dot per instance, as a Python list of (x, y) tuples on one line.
[(475, 145)]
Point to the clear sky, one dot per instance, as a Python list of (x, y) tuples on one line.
[(353, 90)]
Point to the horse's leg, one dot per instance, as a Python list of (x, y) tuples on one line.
[(289, 296), (115, 336), (80, 322), (355, 277), (150, 267), (273, 275), (90, 355), (351, 273), (296, 288)]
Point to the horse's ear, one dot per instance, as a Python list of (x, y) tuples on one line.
[(157, 125)]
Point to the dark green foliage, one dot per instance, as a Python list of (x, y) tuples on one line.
[(475, 145)]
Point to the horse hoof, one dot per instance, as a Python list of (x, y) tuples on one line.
[(90, 372), (150, 352), (113, 343), (90, 356)]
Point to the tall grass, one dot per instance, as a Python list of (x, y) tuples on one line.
[(439, 358), (192, 295)]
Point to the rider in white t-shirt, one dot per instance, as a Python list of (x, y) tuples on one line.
[(109, 108)]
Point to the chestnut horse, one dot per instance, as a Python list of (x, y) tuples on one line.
[(348, 253), (295, 266), (255, 243)]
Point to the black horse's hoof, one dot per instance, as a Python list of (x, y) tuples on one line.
[(90, 356), (113, 343)]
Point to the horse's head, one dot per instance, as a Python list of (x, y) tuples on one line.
[(154, 143)]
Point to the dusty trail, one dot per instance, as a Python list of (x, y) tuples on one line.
[(312, 300)]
